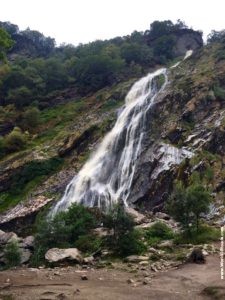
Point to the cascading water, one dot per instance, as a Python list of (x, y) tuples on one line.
[(106, 177)]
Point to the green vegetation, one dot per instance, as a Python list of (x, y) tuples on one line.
[(158, 232), (205, 234), (187, 204), (124, 240), (5, 43), (12, 254), (24, 180)]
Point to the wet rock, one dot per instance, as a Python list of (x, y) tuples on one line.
[(59, 255)]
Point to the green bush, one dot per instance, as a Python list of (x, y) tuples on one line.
[(159, 230), (12, 254), (187, 204), (31, 118), (88, 243), (15, 140), (205, 234), (124, 240), (66, 229)]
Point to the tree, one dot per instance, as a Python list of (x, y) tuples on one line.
[(198, 199), (125, 240), (187, 204), (5, 43), (31, 118)]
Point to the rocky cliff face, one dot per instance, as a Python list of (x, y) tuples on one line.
[(187, 39), (185, 136)]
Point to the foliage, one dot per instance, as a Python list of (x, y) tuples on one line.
[(31, 118), (5, 42), (159, 230), (205, 234), (187, 204), (89, 243), (66, 228), (26, 178), (15, 140), (216, 36), (219, 92), (124, 240), (12, 254)]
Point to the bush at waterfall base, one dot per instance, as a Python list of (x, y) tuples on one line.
[(74, 228), (124, 240)]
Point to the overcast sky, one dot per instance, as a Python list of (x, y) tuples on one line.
[(81, 21)]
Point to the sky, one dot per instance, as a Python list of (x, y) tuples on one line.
[(82, 21)]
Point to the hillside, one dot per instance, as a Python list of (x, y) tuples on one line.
[(61, 105)]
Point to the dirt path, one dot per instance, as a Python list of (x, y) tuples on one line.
[(185, 282)]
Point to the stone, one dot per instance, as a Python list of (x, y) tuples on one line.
[(59, 255), (138, 217), (130, 281), (166, 244), (88, 260), (136, 258), (144, 263), (8, 237), (28, 242), (25, 256), (84, 277), (146, 281), (163, 216)]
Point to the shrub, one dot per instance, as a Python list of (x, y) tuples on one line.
[(160, 231), (12, 254), (187, 204), (31, 118), (124, 239), (66, 229), (219, 92), (15, 140), (88, 243)]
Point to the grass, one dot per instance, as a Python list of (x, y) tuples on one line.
[(206, 234), (26, 179)]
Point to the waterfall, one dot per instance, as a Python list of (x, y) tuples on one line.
[(107, 176)]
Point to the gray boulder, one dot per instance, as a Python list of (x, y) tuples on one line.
[(58, 255)]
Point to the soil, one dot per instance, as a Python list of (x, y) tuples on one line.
[(185, 282)]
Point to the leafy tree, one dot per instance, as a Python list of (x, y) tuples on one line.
[(5, 43), (124, 239), (187, 204), (20, 96)]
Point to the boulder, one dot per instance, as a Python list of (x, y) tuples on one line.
[(25, 256), (138, 217), (88, 260), (136, 258), (58, 255), (165, 244), (28, 242), (161, 215), (7, 237)]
